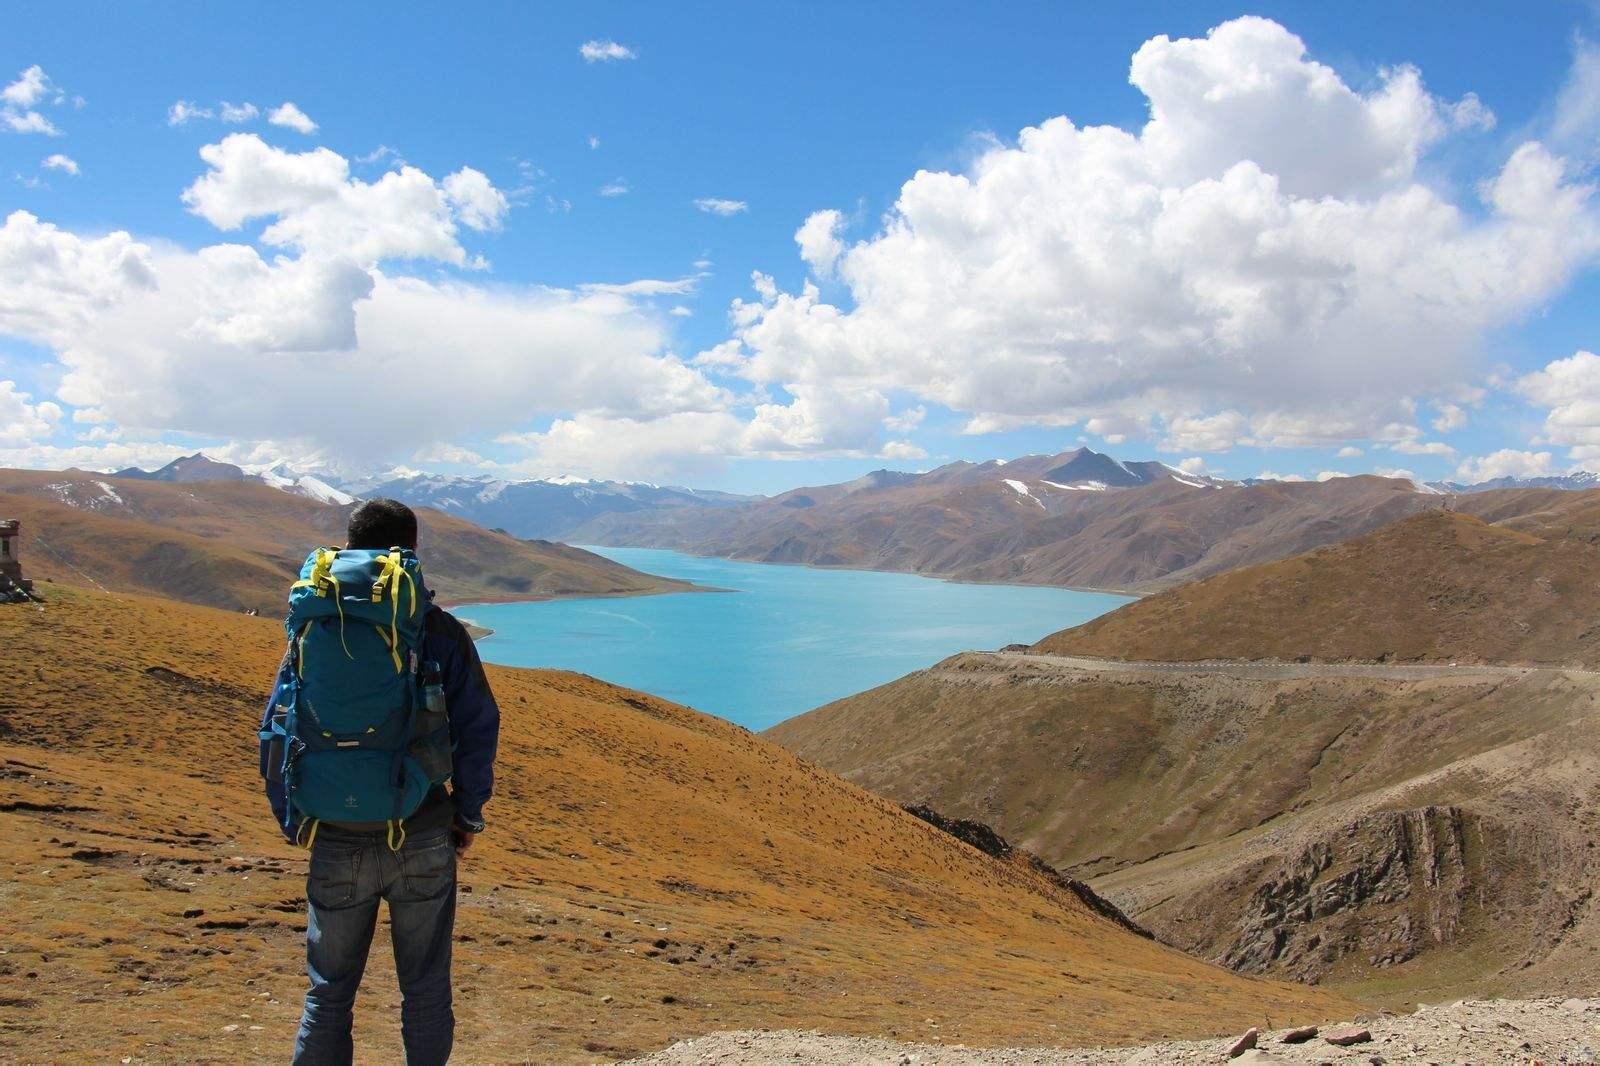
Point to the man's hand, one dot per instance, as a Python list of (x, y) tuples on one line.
[(462, 838)]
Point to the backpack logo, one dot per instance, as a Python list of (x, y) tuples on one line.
[(352, 802)]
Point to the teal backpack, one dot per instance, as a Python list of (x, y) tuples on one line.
[(358, 731)]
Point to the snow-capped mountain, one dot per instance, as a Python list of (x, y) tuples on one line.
[(544, 508), (1575, 481), (201, 467)]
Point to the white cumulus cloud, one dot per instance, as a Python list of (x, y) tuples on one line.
[(1570, 389), (605, 52), (18, 100), (21, 420), (1262, 262), (319, 208), (291, 117), (60, 162), (183, 112), (1507, 462), (224, 343), (819, 241), (712, 205), (478, 204)]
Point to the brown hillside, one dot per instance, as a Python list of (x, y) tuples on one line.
[(236, 544), (1402, 836), (695, 874), (1437, 586)]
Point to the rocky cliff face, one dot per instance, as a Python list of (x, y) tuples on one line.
[(1377, 893), (1392, 882)]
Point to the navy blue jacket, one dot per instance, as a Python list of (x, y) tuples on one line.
[(474, 717)]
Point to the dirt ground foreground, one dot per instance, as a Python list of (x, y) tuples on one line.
[(1548, 1031)]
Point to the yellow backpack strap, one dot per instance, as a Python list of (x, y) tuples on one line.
[(305, 839), (322, 580), (397, 826), (391, 577)]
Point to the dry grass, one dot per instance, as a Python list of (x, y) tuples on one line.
[(1436, 586), (699, 875)]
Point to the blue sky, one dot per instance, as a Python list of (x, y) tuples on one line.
[(1280, 348)]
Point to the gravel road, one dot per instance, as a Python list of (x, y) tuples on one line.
[(1479, 1032), (1278, 671)]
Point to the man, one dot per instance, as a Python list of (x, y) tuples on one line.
[(353, 867)]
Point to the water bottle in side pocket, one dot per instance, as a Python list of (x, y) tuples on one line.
[(430, 744)]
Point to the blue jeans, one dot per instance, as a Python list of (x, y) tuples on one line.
[(349, 874)]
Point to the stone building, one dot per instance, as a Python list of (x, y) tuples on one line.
[(12, 584)]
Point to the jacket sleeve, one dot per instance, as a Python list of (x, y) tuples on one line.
[(474, 720), (276, 797)]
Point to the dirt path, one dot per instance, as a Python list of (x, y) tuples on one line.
[(1279, 671), (1495, 1031)]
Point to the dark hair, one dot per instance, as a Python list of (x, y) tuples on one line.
[(382, 524)]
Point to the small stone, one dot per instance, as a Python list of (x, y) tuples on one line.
[(1244, 1043), (1298, 1036), (1346, 1035), (230, 1028), (605, 999)]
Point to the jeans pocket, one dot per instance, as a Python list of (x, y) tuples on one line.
[(331, 881), (429, 871)]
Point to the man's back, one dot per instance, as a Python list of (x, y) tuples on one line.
[(410, 861)]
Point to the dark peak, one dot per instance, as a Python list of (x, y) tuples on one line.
[(1084, 465), (188, 468)]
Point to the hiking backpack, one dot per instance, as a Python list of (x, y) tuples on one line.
[(358, 730)]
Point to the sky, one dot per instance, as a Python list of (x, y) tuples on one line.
[(754, 247)]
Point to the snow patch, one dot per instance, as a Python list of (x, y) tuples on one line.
[(1022, 490), (1083, 486), (320, 490)]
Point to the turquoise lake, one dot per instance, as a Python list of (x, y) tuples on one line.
[(784, 640)]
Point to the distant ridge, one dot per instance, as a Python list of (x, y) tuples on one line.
[(546, 508), (236, 543), (1577, 481), (199, 467), (1077, 519)]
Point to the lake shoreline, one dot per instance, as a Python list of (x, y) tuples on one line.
[(1130, 593), (795, 638)]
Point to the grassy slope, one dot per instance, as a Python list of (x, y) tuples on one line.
[(1436, 586), (701, 876), (1158, 782), (237, 544), (1184, 795)]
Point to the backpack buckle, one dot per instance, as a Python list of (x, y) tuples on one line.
[(377, 591)]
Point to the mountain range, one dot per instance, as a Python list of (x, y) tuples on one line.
[(549, 508), (237, 542), (1079, 518), (1076, 519), (196, 468)]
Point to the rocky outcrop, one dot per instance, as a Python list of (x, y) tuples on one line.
[(986, 840), (1389, 885)]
